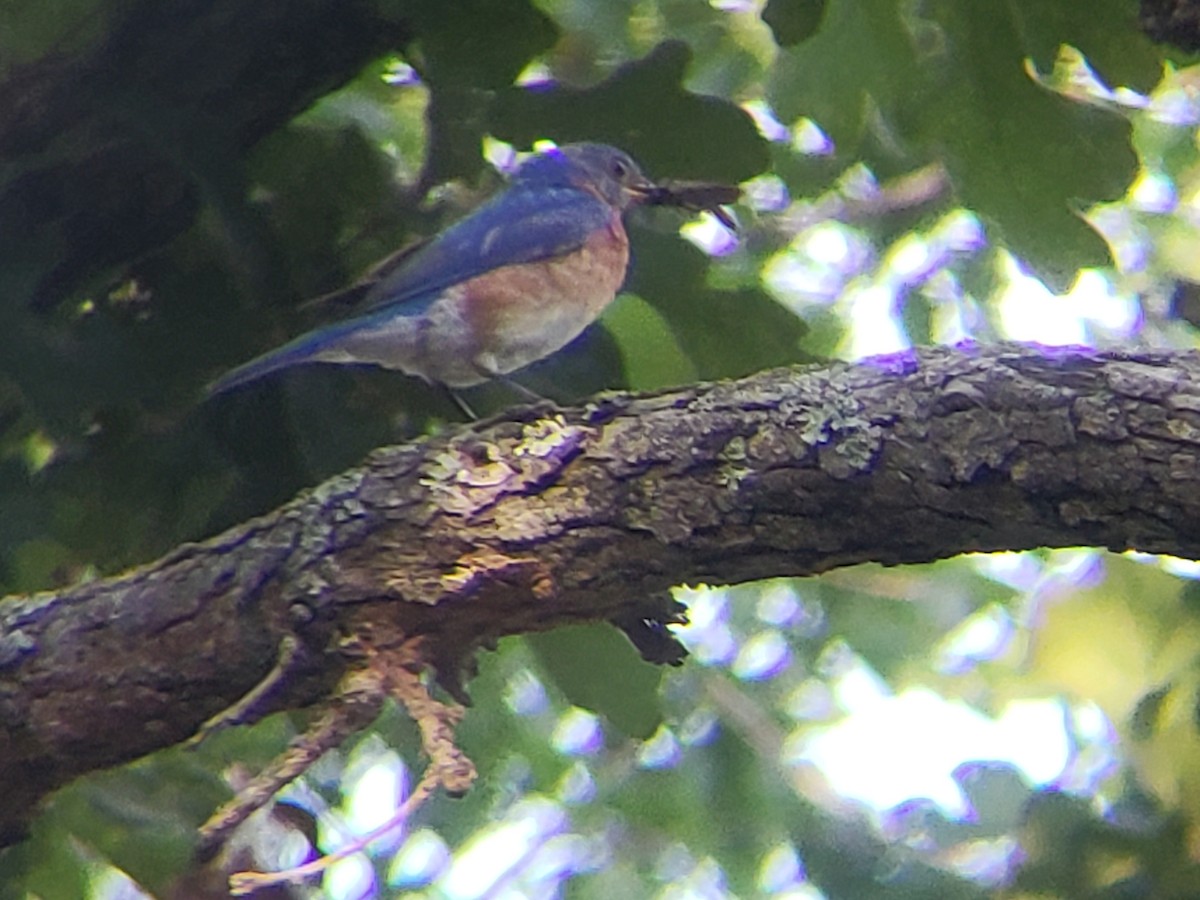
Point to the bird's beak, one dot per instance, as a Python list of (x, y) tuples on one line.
[(642, 191)]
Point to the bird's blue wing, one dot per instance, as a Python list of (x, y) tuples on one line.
[(522, 225)]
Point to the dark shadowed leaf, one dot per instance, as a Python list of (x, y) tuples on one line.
[(465, 56), (644, 109), (483, 43), (793, 21)]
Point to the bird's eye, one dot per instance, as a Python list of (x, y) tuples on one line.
[(619, 169)]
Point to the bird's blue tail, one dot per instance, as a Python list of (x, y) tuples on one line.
[(303, 349)]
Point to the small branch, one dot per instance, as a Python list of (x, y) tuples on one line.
[(356, 706), (901, 194), (449, 767), (395, 670)]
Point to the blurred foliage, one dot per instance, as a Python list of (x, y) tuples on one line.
[(908, 170), (628, 694)]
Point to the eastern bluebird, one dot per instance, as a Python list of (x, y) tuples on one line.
[(513, 282)]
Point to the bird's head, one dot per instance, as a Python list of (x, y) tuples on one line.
[(609, 172)]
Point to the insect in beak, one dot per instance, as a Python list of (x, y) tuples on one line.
[(696, 196)]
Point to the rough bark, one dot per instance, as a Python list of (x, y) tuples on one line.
[(544, 518)]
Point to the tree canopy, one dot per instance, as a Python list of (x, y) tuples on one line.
[(831, 441)]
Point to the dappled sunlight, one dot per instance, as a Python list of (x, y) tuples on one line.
[(763, 655), (578, 733), (764, 118), (662, 751), (893, 749), (1092, 312), (808, 138), (424, 856), (876, 328), (577, 785), (503, 849), (983, 636), (706, 233)]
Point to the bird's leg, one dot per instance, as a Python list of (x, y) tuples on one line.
[(458, 401), (526, 393)]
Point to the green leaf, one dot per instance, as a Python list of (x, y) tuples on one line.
[(457, 125), (31, 30), (1026, 159), (886, 632), (892, 89), (141, 818), (36, 562), (723, 333), (917, 315), (326, 182), (46, 865), (592, 362), (1105, 31), (597, 668), (860, 64), (652, 356)]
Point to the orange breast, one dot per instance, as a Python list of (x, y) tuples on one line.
[(523, 313)]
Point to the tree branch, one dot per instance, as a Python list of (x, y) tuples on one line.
[(539, 519), (112, 139)]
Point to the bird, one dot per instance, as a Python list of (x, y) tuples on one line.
[(511, 283)]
